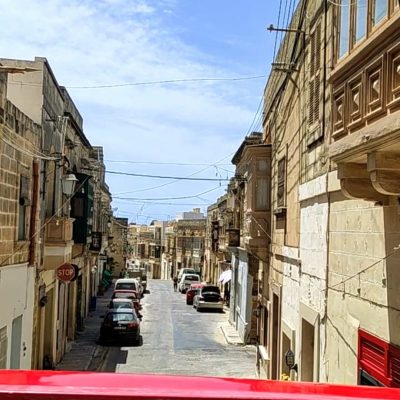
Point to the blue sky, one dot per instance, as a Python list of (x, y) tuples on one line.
[(145, 129)]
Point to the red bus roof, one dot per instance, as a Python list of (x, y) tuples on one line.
[(65, 385)]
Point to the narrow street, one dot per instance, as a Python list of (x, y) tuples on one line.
[(177, 340)]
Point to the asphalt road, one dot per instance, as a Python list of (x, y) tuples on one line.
[(178, 340)]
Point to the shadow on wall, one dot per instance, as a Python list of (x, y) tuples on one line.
[(391, 274)]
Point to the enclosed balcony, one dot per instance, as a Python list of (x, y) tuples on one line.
[(366, 113), (58, 241)]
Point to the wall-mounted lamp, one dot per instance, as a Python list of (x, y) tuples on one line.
[(68, 184), (289, 359), (109, 224)]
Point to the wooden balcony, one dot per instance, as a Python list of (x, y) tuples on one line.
[(232, 237), (58, 230), (366, 96), (58, 242)]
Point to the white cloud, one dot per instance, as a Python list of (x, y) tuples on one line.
[(119, 41)]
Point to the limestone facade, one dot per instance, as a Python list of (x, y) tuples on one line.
[(19, 211), (59, 229)]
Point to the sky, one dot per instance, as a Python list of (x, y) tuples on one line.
[(101, 49)]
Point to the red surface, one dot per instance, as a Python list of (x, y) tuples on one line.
[(46, 385), (379, 358)]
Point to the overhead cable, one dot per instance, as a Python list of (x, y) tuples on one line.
[(167, 177), (148, 83)]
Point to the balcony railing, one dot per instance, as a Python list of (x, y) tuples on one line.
[(67, 385)]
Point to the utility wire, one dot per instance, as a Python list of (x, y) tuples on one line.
[(148, 83), (176, 180), (166, 177), (165, 163), (168, 198)]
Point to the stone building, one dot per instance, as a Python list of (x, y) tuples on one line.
[(331, 113), (189, 244), (216, 255), (118, 245), (19, 239), (66, 214), (296, 123), (363, 343), (139, 239), (247, 230), (168, 252)]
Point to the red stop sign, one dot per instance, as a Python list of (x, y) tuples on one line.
[(65, 272)]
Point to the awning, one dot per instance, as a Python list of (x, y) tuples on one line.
[(226, 276)]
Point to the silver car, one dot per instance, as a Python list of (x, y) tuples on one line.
[(209, 297)]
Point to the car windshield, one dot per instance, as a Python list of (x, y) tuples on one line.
[(126, 286), (192, 278), (126, 295), (211, 289), (122, 305), (121, 317)]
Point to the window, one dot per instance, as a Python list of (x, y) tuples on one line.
[(281, 183), (315, 75), (357, 18), (262, 191), (361, 18), (380, 10), (344, 28)]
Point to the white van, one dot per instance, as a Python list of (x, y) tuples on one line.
[(185, 271), (129, 284), (186, 281)]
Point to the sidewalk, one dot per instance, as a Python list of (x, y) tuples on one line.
[(230, 333), (85, 353)]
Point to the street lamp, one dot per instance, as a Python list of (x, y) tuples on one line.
[(68, 184), (289, 359)]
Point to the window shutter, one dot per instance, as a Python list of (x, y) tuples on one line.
[(314, 78), (3, 348)]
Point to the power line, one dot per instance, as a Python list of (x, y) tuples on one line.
[(149, 203), (148, 83), (168, 198), (167, 177), (176, 180), (164, 163)]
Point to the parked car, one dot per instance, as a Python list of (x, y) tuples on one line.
[(129, 284), (209, 297), (192, 291), (185, 271), (121, 324), (186, 281), (121, 303), (129, 294)]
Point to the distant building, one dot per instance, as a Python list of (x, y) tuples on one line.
[(195, 214)]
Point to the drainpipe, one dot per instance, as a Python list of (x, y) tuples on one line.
[(33, 233), (325, 317)]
